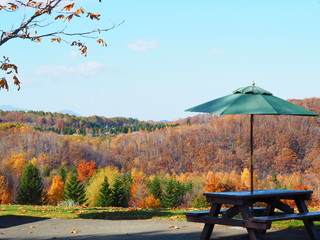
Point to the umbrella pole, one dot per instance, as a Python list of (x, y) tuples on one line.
[(251, 152)]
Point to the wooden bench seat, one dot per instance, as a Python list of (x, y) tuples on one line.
[(315, 216), (222, 211), (197, 213), (278, 216)]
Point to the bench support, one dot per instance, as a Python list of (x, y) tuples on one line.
[(208, 228), (309, 225)]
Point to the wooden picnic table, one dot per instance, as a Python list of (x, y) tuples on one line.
[(239, 210)]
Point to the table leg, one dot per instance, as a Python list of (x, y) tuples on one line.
[(247, 213), (308, 223), (268, 212), (208, 228)]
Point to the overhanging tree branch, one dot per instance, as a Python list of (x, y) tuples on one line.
[(56, 10)]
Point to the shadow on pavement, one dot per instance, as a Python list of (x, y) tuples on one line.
[(127, 215), (159, 235), (13, 220), (18, 228)]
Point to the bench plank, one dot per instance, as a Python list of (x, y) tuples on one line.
[(196, 213), (258, 210), (293, 216)]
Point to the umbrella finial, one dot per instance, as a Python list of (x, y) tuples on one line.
[(253, 84)]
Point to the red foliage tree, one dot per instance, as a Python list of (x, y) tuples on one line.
[(86, 170)]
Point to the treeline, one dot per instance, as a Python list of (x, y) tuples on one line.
[(70, 124), (283, 146), (87, 184)]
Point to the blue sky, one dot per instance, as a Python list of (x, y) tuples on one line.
[(172, 55)]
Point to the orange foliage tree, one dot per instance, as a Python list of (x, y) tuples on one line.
[(213, 184), (149, 202), (56, 190), (33, 25), (86, 170), (5, 192), (314, 201), (138, 189)]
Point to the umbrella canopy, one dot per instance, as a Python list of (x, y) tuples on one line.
[(251, 100)]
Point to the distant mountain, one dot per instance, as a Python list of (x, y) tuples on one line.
[(11, 108), (70, 112)]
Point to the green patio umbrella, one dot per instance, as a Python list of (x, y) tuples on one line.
[(251, 100)]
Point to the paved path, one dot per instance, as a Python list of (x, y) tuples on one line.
[(13, 227)]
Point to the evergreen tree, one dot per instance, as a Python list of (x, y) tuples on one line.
[(155, 187), (185, 188), (170, 197), (46, 171), (31, 190), (105, 195), (120, 194), (174, 192), (74, 190), (62, 171)]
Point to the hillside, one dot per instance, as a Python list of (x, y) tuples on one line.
[(283, 145), (197, 143)]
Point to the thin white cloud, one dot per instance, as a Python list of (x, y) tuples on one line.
[(75, 54), (216, 51), (143, 46), (66, 73)]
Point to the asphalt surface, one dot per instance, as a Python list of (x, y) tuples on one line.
[(15, 227)]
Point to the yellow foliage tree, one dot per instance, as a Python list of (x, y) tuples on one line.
[(17, 163), (56, 190), (245, 177), (290, 180), (24, 129), (95, 182)]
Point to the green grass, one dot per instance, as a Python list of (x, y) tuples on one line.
[(90, 212), (116, 214)]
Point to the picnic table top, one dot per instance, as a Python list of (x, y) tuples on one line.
[(259, 193)]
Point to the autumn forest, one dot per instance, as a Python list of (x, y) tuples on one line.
[(151, 164)]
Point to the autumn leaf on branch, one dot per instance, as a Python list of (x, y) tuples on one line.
[(36, 39), (4, 83), (102, 42), (59, 17), (56, 40), (31, 3), (9, 68), (93, 16), (13, 6), (68, 7), (69, 17), (82, 48), (80, 10), (16, 82)]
